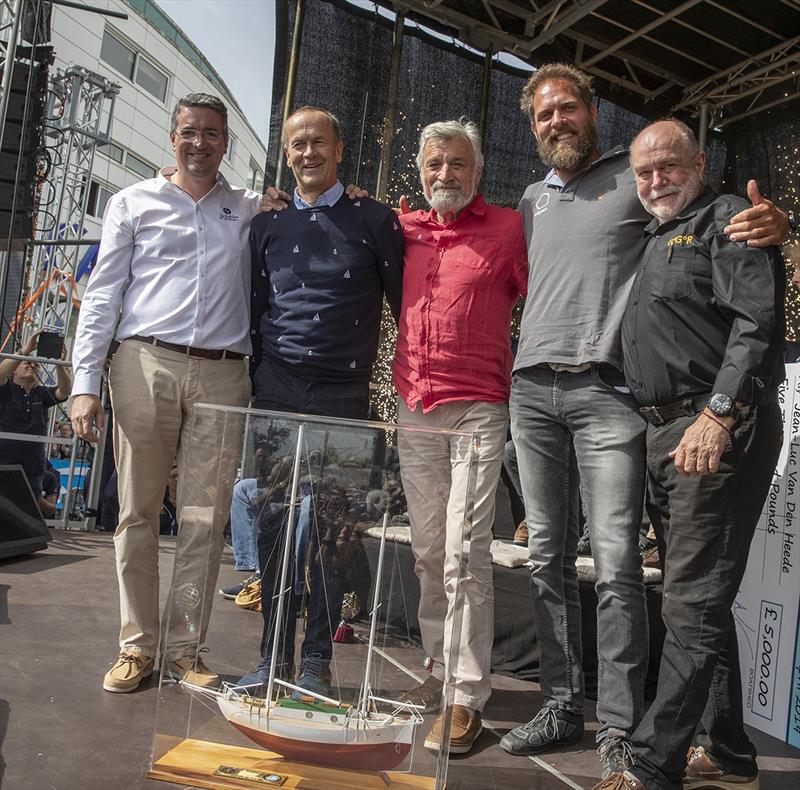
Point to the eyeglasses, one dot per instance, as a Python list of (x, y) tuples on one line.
[(211, 135)]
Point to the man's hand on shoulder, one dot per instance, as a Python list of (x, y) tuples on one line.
[(87, 412), (763, 225), (355, 192), (275, 199), (702, 446)]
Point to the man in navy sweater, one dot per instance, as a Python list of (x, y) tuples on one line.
[(320, 270)]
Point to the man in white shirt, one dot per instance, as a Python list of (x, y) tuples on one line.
[(174, 267)]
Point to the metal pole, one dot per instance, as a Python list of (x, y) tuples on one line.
[(702, 131), (487, 77), (391, 104), (291, 79), (5, 92), (8, 67)]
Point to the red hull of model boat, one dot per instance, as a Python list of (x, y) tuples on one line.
[(359, 757)]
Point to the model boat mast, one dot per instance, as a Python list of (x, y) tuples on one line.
[(376, 604), (287, 548)]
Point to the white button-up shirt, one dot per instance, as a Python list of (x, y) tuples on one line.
[(170, 268)]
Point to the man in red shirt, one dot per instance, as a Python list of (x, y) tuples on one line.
[(465, 268)]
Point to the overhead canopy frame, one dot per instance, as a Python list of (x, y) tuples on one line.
[(736, 57)]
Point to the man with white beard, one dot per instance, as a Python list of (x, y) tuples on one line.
[(465, 268), (702, 340)]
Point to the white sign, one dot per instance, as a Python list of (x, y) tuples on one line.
[(766, 608)]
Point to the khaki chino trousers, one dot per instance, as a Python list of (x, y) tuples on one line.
[(153, 394), (437, 476)]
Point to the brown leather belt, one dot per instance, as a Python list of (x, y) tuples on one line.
[(203, 353), (685, 407)]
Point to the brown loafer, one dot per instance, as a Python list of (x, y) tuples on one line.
[(465, 727), (702, 771)]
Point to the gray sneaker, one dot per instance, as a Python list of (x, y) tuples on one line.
[(615, 755), (230, 593), (426, 697), (549, 728)]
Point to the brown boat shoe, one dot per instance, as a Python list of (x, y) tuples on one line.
[(128, 672), (702, 771), (620, 780), (465, 727), (191, 670), (249, 597)]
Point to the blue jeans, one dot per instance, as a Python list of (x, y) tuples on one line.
[(245, 507), (576, 434)]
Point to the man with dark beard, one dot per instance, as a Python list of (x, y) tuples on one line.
[(575, 425)]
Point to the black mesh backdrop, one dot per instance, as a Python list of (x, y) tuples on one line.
[(344, 66)]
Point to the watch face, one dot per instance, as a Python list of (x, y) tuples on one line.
[(720, 404)]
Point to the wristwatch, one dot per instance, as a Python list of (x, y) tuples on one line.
[(722, 405), (792, 222)]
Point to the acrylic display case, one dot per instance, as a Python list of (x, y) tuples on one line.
[(315, 658)]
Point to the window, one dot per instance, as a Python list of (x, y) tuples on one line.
[(151, 79), (139, 166), (131, 63), (98, 197), (231, 148), (116, 54), (112, 151), (255, 176)]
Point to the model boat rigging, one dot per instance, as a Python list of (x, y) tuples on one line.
[(316, 728)]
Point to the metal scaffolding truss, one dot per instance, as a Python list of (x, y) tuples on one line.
[(738, 57), (79, 116), (10, 22)]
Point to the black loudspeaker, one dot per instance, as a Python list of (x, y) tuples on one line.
[(22, 136), (22, 528)]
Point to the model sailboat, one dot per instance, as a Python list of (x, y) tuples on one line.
[(323, 731)]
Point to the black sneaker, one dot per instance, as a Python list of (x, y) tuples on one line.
[(584, 545), (230, 593), (425, 697), (550, 727), (615, 755)]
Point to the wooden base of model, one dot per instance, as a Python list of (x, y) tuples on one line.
[(221, 767)]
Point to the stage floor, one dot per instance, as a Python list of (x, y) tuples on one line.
[(60, 730)]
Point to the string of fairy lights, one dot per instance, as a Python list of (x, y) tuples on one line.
[(787, 166)]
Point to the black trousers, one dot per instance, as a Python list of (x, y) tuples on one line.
[(706, 524)]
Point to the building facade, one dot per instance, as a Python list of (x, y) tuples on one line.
[(155, 63)]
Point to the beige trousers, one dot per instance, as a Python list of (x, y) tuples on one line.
[(153, 393), (435, 470)]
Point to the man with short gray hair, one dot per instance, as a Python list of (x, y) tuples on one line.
[(174, 268), (465, 268)]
